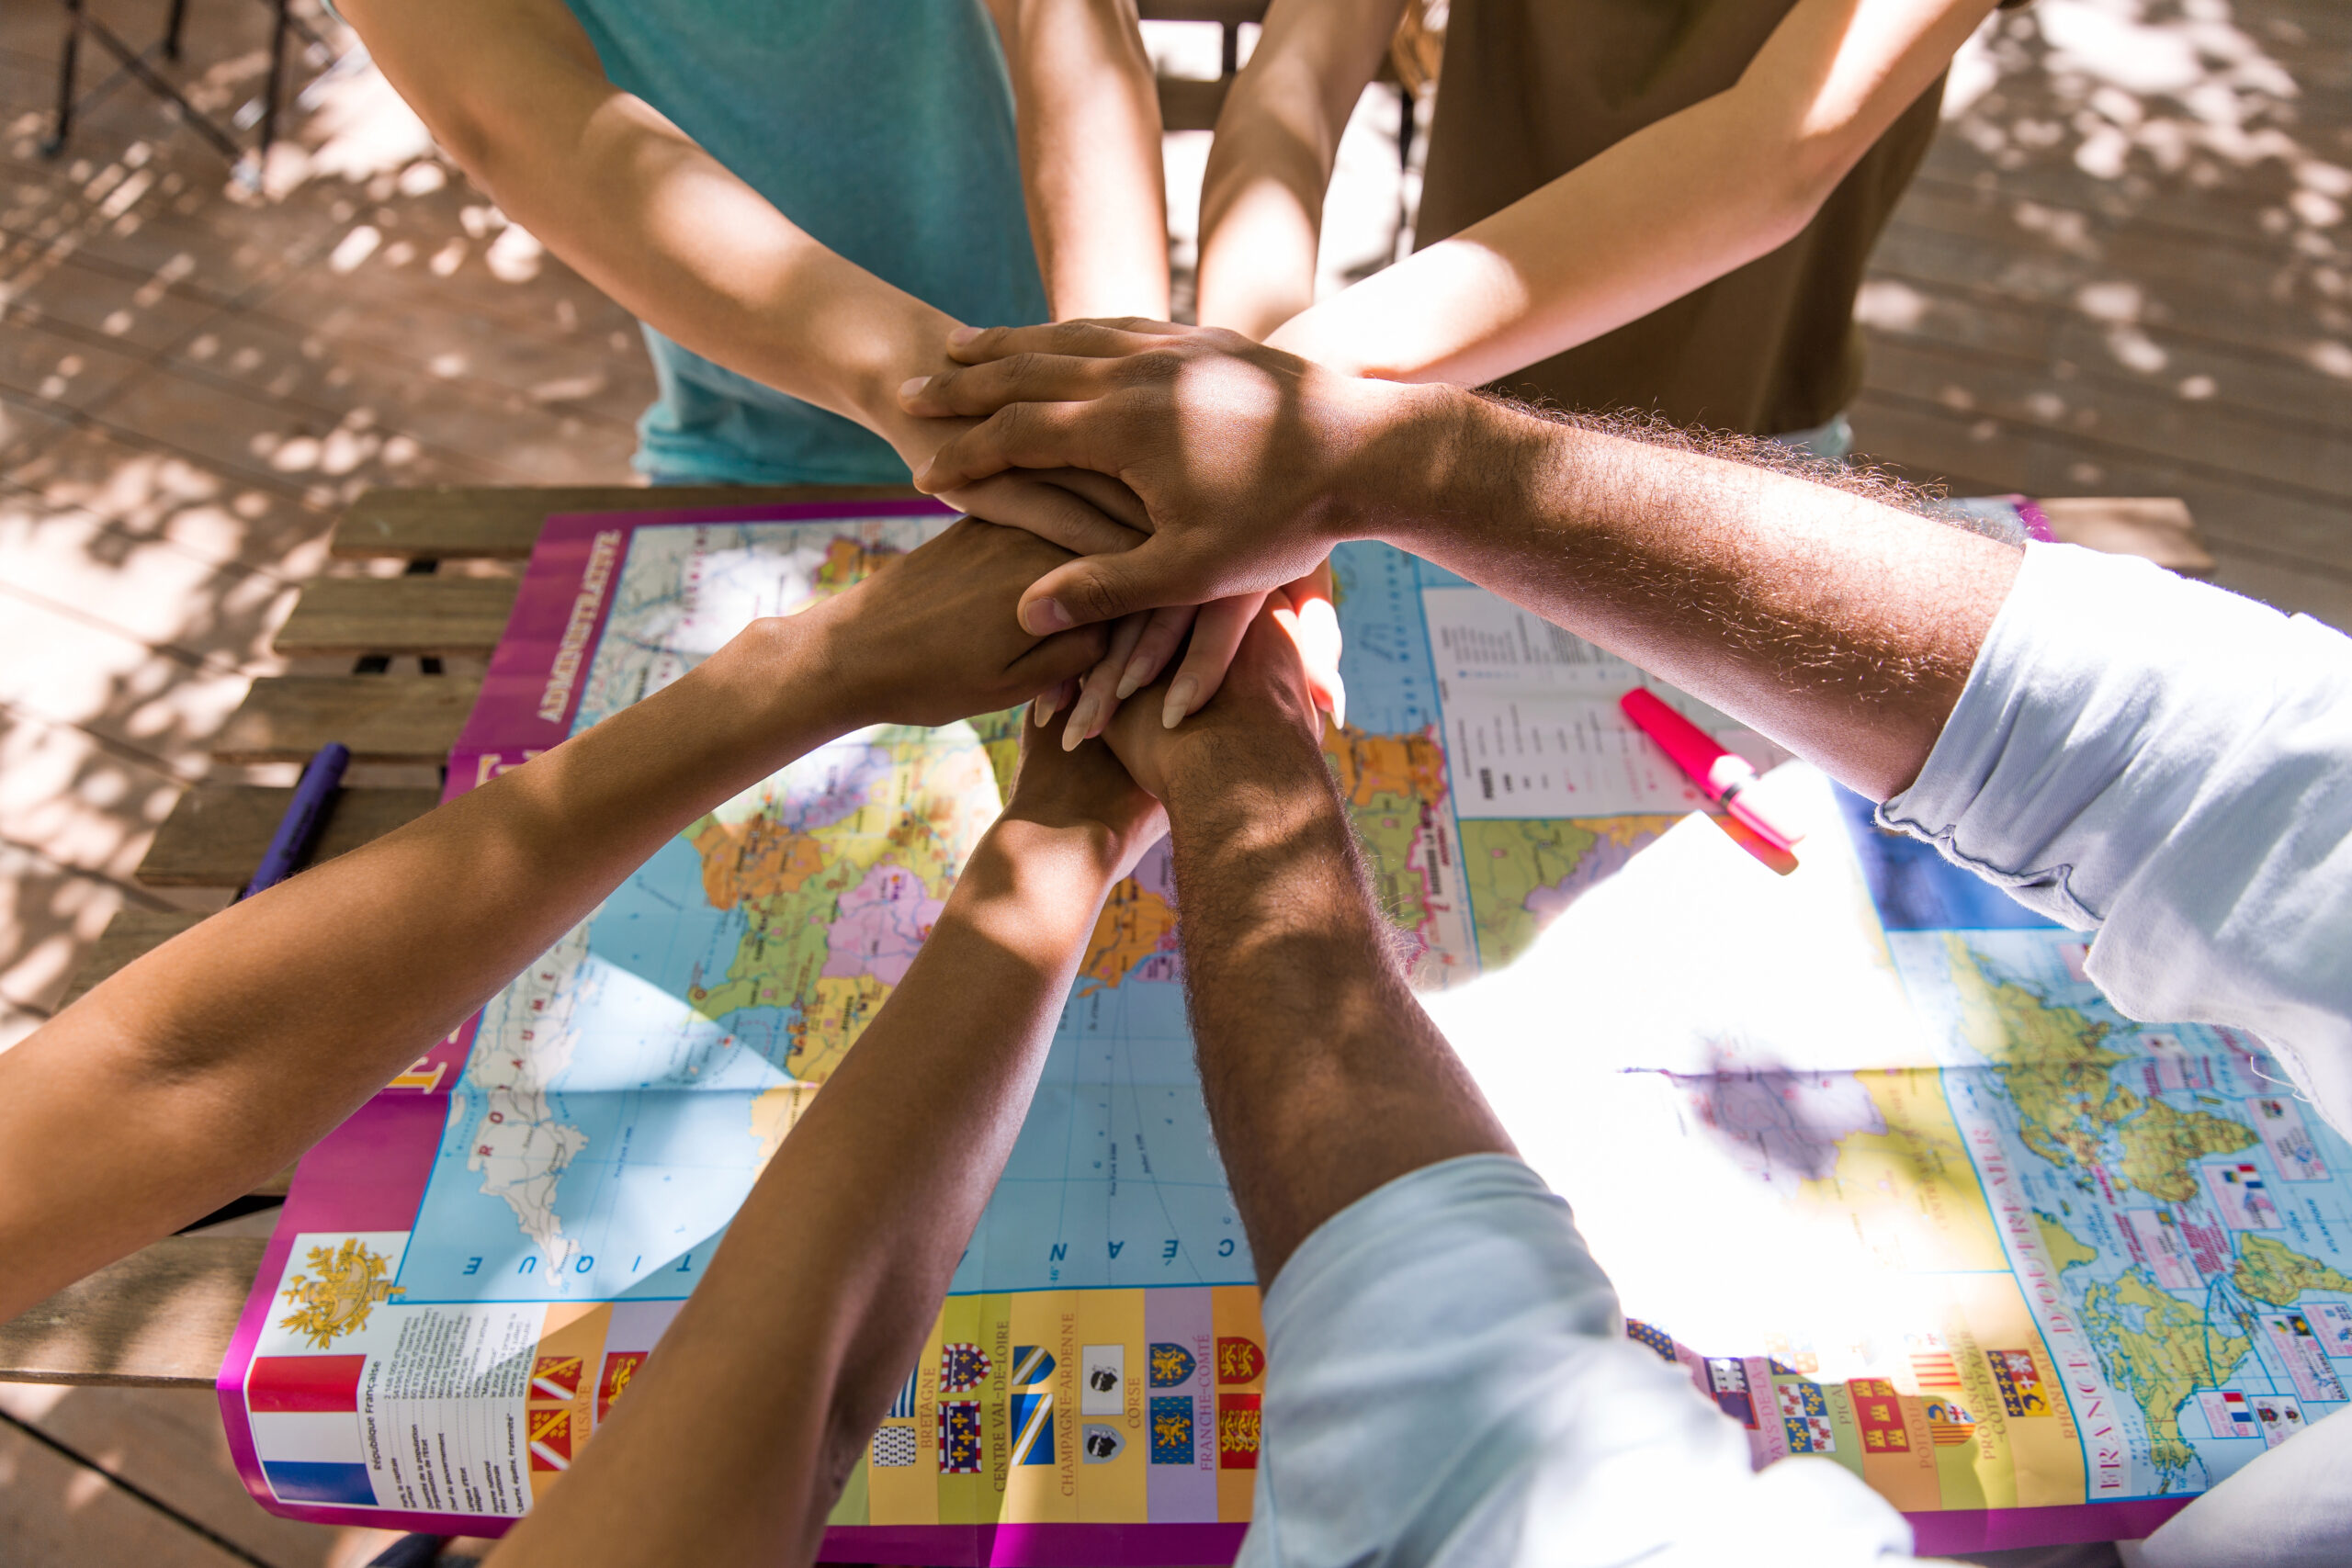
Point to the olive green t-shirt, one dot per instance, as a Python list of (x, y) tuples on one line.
[(1532, 88)]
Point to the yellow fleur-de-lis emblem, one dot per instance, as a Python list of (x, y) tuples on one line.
[(333, 1298)]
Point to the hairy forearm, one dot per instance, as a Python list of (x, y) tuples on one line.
[(821, 1297), (1262, 196), (514, 91), (222, 1055), (1838, 625), (1089, 155), (1324, 1079)]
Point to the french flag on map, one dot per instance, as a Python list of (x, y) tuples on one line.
[(2227, 1415), (305, 1413)]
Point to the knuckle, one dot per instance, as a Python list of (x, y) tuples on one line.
[(1154, 363), (1093, 597)]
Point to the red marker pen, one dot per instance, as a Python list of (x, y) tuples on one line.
[(1724, 776)]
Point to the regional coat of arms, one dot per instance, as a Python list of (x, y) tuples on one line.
[(334, 1297)]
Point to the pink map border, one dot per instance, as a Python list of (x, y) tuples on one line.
[(370, 1173), (560, 611)]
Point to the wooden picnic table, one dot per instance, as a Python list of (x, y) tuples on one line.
[(162, 1317)]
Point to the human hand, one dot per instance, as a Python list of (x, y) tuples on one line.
[(1142, 643), (1086, 790), (1253, 463), (1267, 701), (930, 636)]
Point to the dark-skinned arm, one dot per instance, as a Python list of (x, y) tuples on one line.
[(1841, 625), (1324, 1078)]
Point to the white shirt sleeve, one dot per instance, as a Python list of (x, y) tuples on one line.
[(1448, 1381), (2171, 764)]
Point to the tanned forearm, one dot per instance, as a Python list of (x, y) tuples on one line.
[(1673, 205), (1262, 196), (215, 1061), (514, 91), (1089, 154), (1323, 1076), (818, 1300), (1840, 625)]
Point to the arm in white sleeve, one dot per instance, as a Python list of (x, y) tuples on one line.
[(1448, 1381), (2171, 764)]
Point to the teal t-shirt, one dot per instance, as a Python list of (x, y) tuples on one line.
[(885, 129)]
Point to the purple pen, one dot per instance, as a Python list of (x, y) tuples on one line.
[(297, 830)]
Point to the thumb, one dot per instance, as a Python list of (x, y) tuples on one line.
[(1103, 587)]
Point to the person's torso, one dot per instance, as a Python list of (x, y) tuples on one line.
[(884, 129), (1533, 88)]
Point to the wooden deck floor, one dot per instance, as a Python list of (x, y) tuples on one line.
[(2124, 271)]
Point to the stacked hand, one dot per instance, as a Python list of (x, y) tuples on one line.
[(931, 636), (1250, 463)]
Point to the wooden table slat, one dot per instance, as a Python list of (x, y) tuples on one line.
[(216, 833), (460, 523), (427, 615), (159, 1318), (383, 718), (2155, 526)]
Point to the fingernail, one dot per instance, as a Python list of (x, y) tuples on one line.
[(1133, 680), (1041, 709), (911, 388), (961, 336), (1044, 617), (1081, 721), (1179, 702), (1339, 707)]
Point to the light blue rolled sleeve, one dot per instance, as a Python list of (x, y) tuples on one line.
[(2171, 764), (1448, 1381)]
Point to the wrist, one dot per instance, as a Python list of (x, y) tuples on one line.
[(1413, 473), (1211, 760), (790, 675), (913, 343), (1070, 848), (1443, 459)]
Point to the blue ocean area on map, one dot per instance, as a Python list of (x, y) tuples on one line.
[(1385, 662), (2192, 1209), (1113, 1181), (661, 1095), (1916, 889)]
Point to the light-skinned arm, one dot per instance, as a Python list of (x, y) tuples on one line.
[(512, 90), (1089, 153), (217, 1059), (821, 1296), (1323, 1076), (1673, 205), (1261, 195), (1838, 625)]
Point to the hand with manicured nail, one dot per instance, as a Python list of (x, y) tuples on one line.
[(1266, 691)]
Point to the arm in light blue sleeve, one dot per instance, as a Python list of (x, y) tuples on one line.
[(1449, 1382), (2171, 764)]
